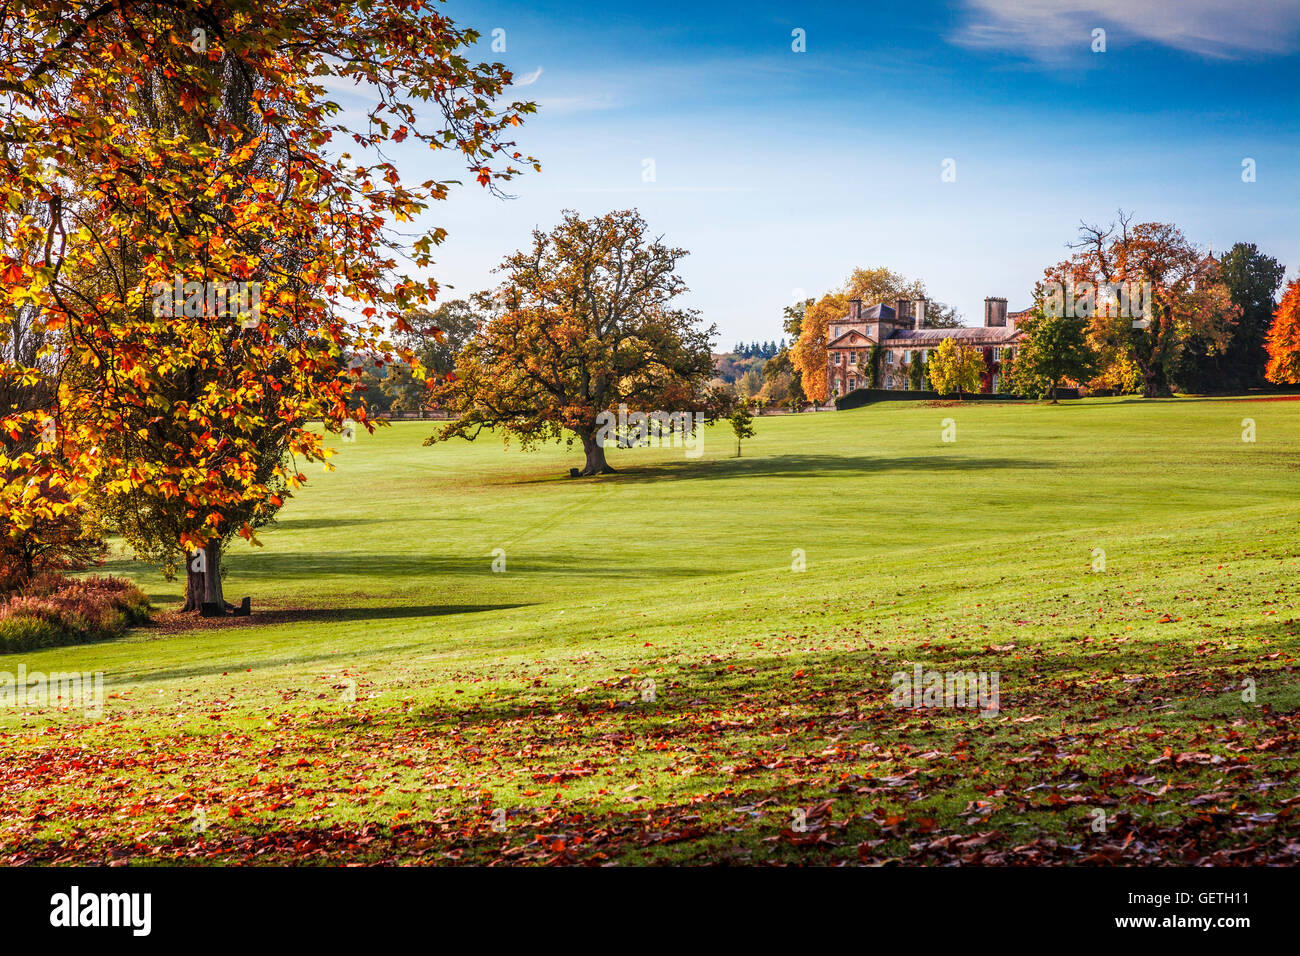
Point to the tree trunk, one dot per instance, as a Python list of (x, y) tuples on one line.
[(193, 584), (212, 574), (595, 452), (1155, 384)]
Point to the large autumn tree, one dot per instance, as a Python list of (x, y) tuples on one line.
[(585, 320), (1187, 295), (199, 141), (1283, 342)]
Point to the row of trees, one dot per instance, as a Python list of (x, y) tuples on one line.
[(1206, 327), (764, 350)]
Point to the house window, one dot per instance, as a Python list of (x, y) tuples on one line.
[(835, 332), (837, 358), (997, 354)]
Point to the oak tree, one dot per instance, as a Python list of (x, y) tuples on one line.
[(586, 321), (1187, 296)]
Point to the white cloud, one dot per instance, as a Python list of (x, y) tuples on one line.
[(528, 79), (1212, 28)]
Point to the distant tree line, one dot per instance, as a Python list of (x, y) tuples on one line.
[(764, 350)]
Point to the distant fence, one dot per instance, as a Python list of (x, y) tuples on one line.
[(866, 396)]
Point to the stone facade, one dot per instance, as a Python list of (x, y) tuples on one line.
[(899, 332)]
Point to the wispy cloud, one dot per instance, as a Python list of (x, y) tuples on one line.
[(1212, 28), (564, 105), (528, 79)]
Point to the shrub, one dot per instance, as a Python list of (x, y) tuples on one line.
[(54, 610)]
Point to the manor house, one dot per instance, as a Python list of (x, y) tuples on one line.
[(900, 333)]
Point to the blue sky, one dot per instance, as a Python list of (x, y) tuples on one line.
[(782, 171)]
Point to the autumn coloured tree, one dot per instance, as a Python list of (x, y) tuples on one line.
[(1283, 342), (808, 354), (183, 154), (586, 322), (1187, 297), (47, 527), (955, 368)]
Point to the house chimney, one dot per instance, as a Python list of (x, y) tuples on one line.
[(902, 308), (995, 312), (855, 310), (918, 312)]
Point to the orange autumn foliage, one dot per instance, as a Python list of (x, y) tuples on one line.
[(1283, 342)]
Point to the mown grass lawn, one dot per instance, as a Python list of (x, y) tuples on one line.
[(506, 717)]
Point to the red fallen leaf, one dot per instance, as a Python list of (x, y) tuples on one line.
[(979, 839), (1165, 619), (819, 810), (804, 839)]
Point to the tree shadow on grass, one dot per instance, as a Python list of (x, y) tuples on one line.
[(811, 466), (247, 569), (318, 524), (307, 616), (235, 666)]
